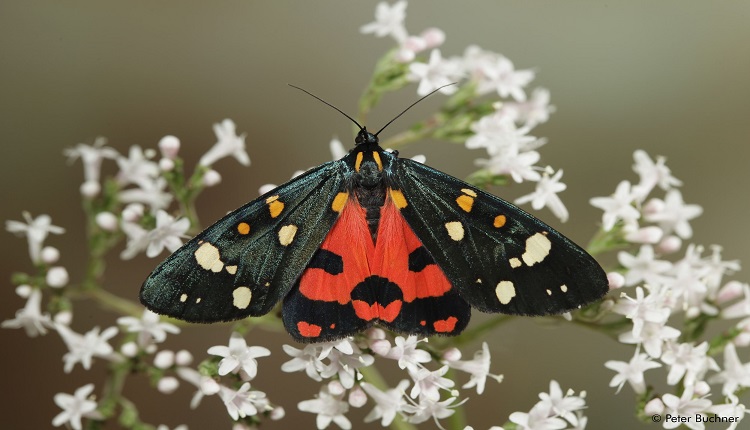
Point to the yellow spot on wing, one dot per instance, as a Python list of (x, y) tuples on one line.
[(275, 208), (376, 157), (243, 228), (286, 234), (499, 221), (455, 230), (242, 297), (358, 162), (398, 198), (537, 249), (465, 202), (208, 257), (505, 291), (339, 201)]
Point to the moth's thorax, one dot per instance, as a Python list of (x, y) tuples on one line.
[(370, 165)]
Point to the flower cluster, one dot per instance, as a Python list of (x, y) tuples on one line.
[(669, 291), (666, 284)]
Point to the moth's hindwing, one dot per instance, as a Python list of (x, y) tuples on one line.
[(352, 283), (249, 260), (498, 257)]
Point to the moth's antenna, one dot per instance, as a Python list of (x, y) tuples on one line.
[(340, 111), (412, 105)]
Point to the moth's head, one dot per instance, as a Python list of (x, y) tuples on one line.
[(364, 137)]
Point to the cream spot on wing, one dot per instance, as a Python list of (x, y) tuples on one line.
[(242, 296), (514, 262), (479, 280), (455, 230), (268, 284), (286, 234), (231, 269), (469, 192), (537, 249), (198, 300), (208, 257), (564, 288), (183, 298), (549, 292), (505, 291)]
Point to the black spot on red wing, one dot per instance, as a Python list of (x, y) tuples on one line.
[(377, 289), (421, 315), (419, 259), (329, 261)]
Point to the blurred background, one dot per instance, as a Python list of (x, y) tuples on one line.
[(670, 77)]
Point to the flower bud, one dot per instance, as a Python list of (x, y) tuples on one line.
[(669, 244), (57, 277), (357, 397), (24, 291), (168, 384), (169, 147), (183, 357), (615, 279), (107, 221), (166, 164), (129, 349), (211, 178), (90, 189), (654, 407), (164, 359), (433, 37), (50, 255)]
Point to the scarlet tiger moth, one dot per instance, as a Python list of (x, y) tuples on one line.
[(374, 239)]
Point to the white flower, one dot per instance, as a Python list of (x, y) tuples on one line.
[(83, 348), (151, 193), (562, 405), (652, 336), (345, 365), (136, 168), (519, 165), (306, 358), (167, 234), (741, 308), (243, 402), (540, 417), (619, 206), (389, 21), (406, 352), (239, 357), (435, 74), (532, 112), (429, 383), (673, 214), (328, 408), (337, 149), (206, 385), (684, 406), (652, 174), (387, 403), (478, 368), (631, 372), (643, 309), (688, 361), (91, 156), (732, 409), (149, 328), (35, 230), (30, 317), (500, 76), (643, 267), (427, 409), (76, 407), (545, 194), (499, 135), (137, 239), (229, 143), (735, 374)]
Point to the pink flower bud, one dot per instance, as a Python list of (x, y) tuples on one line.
[(211, 178), (650, 234), (405, 55), (669, 245), (357, 397), (615, 279), (433, 37), (169, 146), (414, 44), (132, 212), (452, 354), (166, 164), (277, 413), (336, 388), (732, 290)]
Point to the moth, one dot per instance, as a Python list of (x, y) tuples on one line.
[(374, 238)]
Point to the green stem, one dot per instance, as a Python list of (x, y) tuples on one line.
[(457, 421), (114, 303)]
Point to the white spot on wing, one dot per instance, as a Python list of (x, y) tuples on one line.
[(564, 288), (231, 269), (455, 230), (242, 297), (208, 257), (514, 262), (505, 291), (183, 298), (537, 249), (286, 234)]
